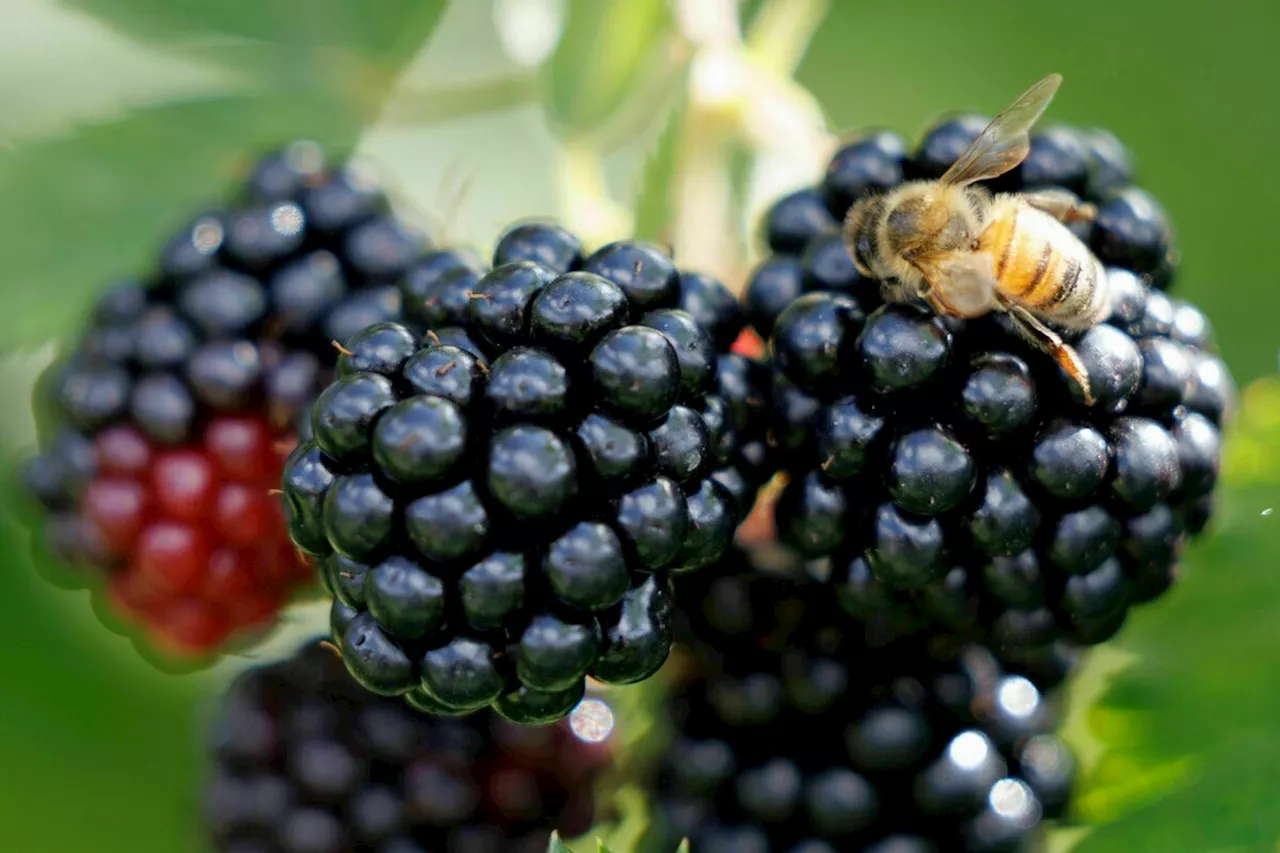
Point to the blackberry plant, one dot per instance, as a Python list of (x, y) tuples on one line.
[(496, 507), (306, 760), (943, 473), (792, 734), (165, 428)]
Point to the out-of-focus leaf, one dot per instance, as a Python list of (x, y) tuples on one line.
[(77, 211), (382, 33), (609, 48), (747, 12), (555, 845), (631, 803), (781, 30), (1187, 756), (656, 202), (641, 741), (468, 98), (741, 161), (88, 733)]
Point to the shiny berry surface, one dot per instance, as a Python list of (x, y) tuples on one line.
[(942, 473), (496, 504), (192, 387), (544, 244), (863, 167), (303, 759), (196, 540), (943, 144), (796, 218), (1131, 231), (793, 731)]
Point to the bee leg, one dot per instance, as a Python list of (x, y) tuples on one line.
[(937, 304), (1062, 205), (892, 290), (1046, 339)]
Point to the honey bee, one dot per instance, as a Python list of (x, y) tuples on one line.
[(967, 253)]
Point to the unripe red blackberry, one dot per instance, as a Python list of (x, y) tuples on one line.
[(165, 428), (497, 507), (305, 760), (947, 475), (792, 733)]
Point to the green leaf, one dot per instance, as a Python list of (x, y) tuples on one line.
[(609, 49), (382, 33), (79, 211), (555, 845), (1180, 748), (655, 207)]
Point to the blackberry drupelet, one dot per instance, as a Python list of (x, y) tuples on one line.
[(497, 511), (793, 735), (167, 426), (943, 473), (305, 760)]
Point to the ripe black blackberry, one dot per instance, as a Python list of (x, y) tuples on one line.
[(948, 474), (792, 735), (305, 760), (802, 228), (496, 511), (167, 424)]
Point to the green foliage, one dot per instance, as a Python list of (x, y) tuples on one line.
[(95, 205), (82, 208), (609, 51), (1180, 746), (655, 204), (555, 845), (376, 35)]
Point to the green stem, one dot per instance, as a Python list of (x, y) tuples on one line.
[(781, 31), (420, 107)]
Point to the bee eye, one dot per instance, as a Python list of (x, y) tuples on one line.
[(865, 251)]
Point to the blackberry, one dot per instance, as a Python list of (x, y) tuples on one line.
[(793, 733), (944, 474), (167, 425), (497, 511), (303, 759), (801, 229)]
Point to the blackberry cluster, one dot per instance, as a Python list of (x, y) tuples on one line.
[(949, 474), (167, 425), (794, 737), (308, 762), (496, 506)]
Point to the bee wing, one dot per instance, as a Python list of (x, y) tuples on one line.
[(1004, 143)]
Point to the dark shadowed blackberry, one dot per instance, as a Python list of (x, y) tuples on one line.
[(792, 734), (945, 472), (166, 428), (304, 760), (501, 507)]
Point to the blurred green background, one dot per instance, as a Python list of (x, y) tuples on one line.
[(118, 117)]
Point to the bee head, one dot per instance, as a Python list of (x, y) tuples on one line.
[(860, 234)]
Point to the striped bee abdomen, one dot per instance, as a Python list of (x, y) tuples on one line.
[(1042, 266)]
